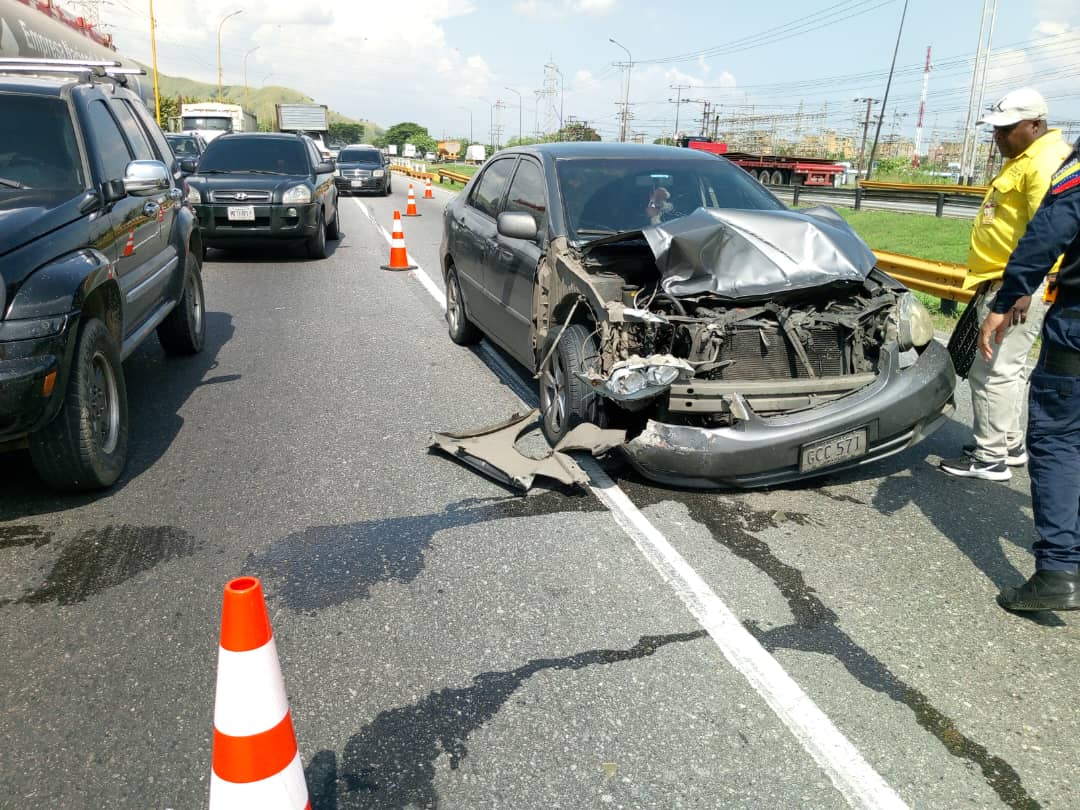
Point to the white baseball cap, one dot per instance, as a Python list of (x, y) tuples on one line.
[(1025, 104)]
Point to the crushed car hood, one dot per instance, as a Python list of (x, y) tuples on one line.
[(748, 254)]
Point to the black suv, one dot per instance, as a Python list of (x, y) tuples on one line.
[(254, 187), (363, 168), (97, 251)]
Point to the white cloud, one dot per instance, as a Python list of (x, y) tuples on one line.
[(557, 9)]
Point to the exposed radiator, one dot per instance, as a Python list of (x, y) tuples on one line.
[(765, 353)]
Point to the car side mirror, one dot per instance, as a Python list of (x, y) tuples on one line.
[(189, 165), (517, 225), (326, 166), (144, 178)]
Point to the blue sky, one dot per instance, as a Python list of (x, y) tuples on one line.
[(439, 61)]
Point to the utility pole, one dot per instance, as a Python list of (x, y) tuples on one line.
[(678, 88), (888, 84), (499, 106), (629, 65), (220, 24), (982, 58), (870, 102)]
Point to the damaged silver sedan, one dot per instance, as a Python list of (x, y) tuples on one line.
[(663, 292)]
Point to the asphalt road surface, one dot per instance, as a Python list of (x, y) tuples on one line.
[(446, 643)]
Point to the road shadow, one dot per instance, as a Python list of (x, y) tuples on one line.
[(157, 388), (270, 252)]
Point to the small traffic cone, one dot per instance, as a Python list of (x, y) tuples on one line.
[(427, 189), (410, 208), (399, 257), (256, 762), (129, 247)]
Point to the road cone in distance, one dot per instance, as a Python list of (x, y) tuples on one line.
[(256, 762), (427, 189), (410, 208), (399, 256)]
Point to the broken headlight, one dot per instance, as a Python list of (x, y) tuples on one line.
[(661, 375), (638, 378), (916, 325), (626, 382)]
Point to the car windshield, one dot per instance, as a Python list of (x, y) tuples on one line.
[(183, 145), (230, 153), (606, 196), (37, 144), (196, 122), (359, 156)]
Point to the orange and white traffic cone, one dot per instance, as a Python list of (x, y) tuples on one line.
[(129, 246), (399, 256), (427, 189), (410, 208), (256, 762)]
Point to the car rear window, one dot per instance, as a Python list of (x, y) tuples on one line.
[(359, 156), (184, 146), (259, 154), (605, 196), (37, 144)]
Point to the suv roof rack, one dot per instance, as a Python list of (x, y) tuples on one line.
[(87, 69)]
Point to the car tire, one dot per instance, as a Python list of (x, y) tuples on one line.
[(316, 244), (333, 230), (183, 332), (462, 331), (565, 400), (85, 446)]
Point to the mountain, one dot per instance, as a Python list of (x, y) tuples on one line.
[(260, 100)]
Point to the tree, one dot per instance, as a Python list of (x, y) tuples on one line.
[(665, 141), (406, 132), (577, 131), (341, 132)]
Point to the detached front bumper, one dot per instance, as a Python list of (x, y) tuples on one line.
[(272, 221), (31, 350), (898, 410)]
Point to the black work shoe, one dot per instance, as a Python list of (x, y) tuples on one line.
[(1046, 590), (1015, 456), (968, 467)]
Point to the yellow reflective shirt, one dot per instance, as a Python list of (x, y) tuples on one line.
[(1009, 205)]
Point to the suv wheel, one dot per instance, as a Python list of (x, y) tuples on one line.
[(184, 329), (462, 331), (316, 245), (333, 230), (386, 188), (85, 446), (566, 401)]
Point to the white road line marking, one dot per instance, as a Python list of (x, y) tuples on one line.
[(847, 769)]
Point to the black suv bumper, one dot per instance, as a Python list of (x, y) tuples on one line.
[(30, 351), (348, 184), (272, 221)]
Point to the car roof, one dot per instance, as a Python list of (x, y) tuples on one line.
[(600, 149), (36, 85), (279, 136)]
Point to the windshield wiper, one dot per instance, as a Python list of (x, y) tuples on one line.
[(12, 183), (596, 232), (260, 171), (217, 171)]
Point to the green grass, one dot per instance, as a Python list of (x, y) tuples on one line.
[(936, 238)]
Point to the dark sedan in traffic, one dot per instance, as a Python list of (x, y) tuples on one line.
[(259, 187), (363, 168), (188, 148), (665, 292)]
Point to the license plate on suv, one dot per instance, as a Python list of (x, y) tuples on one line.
[(241, 213), (357, 183), (831, 451)]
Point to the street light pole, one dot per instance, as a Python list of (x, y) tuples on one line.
[(520, 103), (220, 24), (626, 94), (246, 55), (153, 52)]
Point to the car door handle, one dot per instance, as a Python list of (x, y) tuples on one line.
[(504, 255), (151, 209)]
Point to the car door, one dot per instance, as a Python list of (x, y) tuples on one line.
[(511, 264), (325, 189), (475, 224), (134, 234)]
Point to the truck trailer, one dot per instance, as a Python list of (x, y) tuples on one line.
[(312, 120), (211, 118), (776, 170)]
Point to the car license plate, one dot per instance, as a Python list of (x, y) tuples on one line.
[(835, 450), (357, 183), (241, 213)]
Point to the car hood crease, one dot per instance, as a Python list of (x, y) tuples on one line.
[(29, 214), (740, 254)]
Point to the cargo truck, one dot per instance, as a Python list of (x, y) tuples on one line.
[(212, 118), (312, 120), (776, 170)]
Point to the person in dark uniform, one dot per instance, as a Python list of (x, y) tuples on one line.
[(1054, 399)]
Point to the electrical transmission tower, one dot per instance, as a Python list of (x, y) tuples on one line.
[(551, 113)]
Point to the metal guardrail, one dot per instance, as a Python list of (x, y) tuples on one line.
[(453, 177), (936, 188), (902, 199), (940, 279)]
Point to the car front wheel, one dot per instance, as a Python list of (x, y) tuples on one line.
[(85, 446), (184, 329), (565, 400), (316, 245)]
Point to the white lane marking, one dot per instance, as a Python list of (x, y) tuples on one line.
[(846, 768)]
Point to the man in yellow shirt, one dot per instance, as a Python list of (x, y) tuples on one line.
[(1032, 154)]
